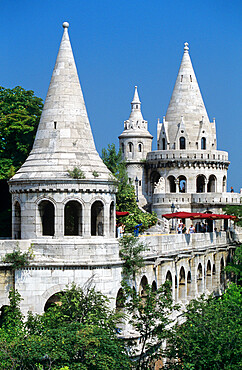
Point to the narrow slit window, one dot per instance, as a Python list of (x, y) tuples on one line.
[(55, 124), (190, 78), (181, 78)]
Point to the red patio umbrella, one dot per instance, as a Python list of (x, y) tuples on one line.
[(179, 215), (121, 214)]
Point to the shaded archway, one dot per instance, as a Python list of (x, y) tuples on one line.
[(222, 274), (182, 142), (47, 215), (73, 218), (53, 300), (111, 220), (172, 184), (169, 279), (224, 184), (203, 143), (182, 284), (200, 279), (154, 179), (154, 286), (97, 218), (212, 181), (209, 276), (200, 184), (182, 184), (17, 221), (189, 280)]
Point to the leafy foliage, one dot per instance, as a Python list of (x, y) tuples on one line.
[(211, 336), (131, 253), (235, 267), (78, 333), (20, 112), (236, 211), (18, 259), (126, 198), (76, 173)]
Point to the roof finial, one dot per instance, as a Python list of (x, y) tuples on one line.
[(186, 48), (65, 25)]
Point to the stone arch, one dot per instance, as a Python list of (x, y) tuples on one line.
[(182, 143), (199, 279), (142, 286), (53, 300), (224, 184), (182, 284), (47, 215), (189, 281), (209, 276), (17, 220), (182, 184), (172, 184), (73, 218), (203, 143), (97, 218), (222, 274), (154, 179), (200, 184), (140, 147), (112, 219), (154, 286), (212, 184)]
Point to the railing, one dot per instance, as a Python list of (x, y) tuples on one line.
[(216, 155)]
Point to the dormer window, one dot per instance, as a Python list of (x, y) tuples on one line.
[(182, 141), (163, 144), (130, 146), (137, 106)]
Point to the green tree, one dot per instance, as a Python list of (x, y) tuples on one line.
[(211, 336), (126, 198), (235, 267), (20, 112), (78, 333), (236, 211)]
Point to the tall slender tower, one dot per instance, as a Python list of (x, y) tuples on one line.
[(63, 188), (135, 142)]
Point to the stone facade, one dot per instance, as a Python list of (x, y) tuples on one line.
[(63, 200), (186, 170)]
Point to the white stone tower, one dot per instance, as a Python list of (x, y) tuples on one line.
[(187, 170), (63, 188), (135, 142)]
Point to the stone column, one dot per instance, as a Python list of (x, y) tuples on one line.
[(86, 220)]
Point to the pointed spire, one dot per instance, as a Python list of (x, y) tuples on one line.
[(64, 138), (186, 99), (136, 96)]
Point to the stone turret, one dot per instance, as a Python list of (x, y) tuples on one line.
[(186, 116), (135, 142), (63, 188)]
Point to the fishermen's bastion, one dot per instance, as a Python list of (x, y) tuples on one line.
[(186, 171)]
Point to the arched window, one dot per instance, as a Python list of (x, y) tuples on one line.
[(142, 287), (163, 144), (172, 184), (189, 280), (97, 218), (182, 141), (182, 184), (224, 184), (199, 279), (200, 184), (47, 215), (139, 147), (212, 184), (73, 218), (111, 220), (130, 146), (203, 143), (182, 283), (17, 221), (209, 276)]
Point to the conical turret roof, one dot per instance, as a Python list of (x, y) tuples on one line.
[(64, 138), (186, 102)]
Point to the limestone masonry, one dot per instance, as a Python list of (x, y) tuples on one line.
[(64, 197)]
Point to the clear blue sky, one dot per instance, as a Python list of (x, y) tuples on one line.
[(119, 44)]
